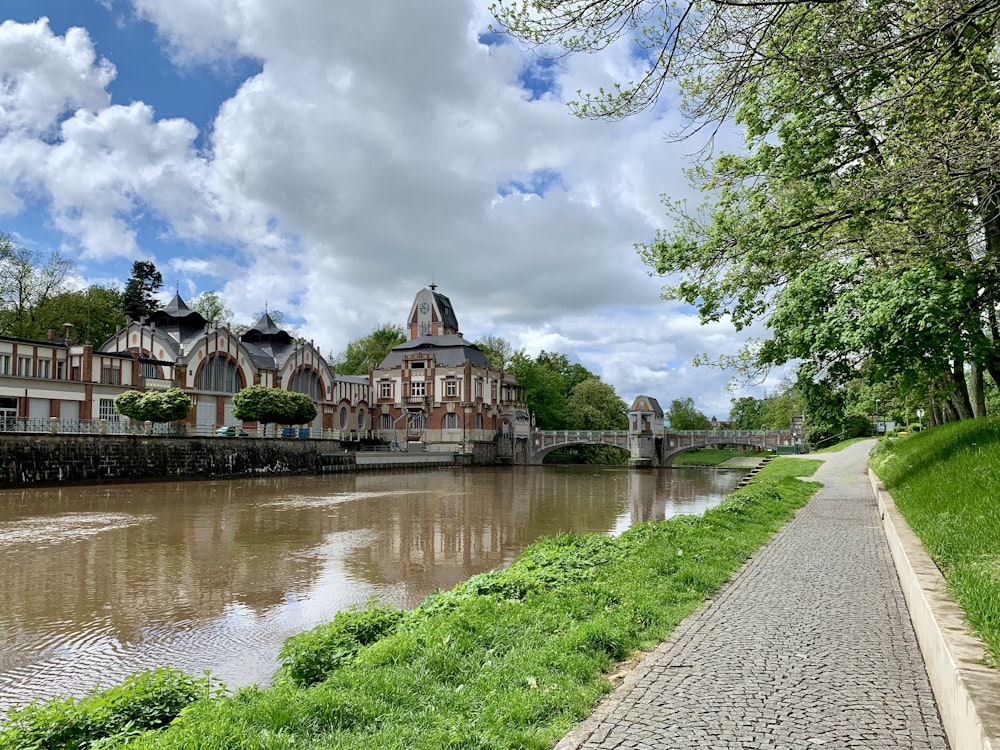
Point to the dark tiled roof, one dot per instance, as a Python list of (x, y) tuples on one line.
[(266, 329), (448, 351), (647, 403), (176, 314), (448, 317)]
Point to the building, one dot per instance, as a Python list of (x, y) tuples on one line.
[(436, 391), (439, 390)]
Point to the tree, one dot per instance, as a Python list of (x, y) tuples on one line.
[(498, 350), (593, 405), (361, 355), (682, 415), (154, 406), (95, 314), (258, 403), (870, 152), (27, 282), (138, 301), (212, 309)]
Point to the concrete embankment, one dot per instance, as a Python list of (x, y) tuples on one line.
[(31, 460)]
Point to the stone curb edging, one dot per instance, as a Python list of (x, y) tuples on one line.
[(967, 691)]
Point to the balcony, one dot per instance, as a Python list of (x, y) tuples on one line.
[(156, 384), (415, 400)]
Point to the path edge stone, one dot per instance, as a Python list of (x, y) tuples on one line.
[(967, 692)]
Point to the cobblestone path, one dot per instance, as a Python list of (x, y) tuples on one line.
[(810, 646)]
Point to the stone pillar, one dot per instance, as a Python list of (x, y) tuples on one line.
[(53, 425)]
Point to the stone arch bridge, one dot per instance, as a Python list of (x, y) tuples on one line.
[(648, 442), (654, 451)]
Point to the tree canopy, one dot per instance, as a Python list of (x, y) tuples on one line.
[(258, 403), (362, 354), (154, 406), (28, 281), (138, 301), (683, 415), (212, 308), (862, 219), (594, 405)]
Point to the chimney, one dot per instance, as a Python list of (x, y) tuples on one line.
[(52, 333)]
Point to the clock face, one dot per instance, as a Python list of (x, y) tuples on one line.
[(425, 308)]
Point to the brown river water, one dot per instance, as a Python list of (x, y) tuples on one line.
[(102, 581)]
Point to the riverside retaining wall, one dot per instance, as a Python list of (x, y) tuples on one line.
[(37, 459)]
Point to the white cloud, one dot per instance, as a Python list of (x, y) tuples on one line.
[(361, 162)]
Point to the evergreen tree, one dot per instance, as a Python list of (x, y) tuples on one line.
[(138, 301)]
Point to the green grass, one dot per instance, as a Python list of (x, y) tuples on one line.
[(946, 483), (841, 445), (508, 659), (711, 456)]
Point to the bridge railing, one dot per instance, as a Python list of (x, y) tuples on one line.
[(541, 438)]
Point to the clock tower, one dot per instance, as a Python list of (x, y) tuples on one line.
[(431, 315)]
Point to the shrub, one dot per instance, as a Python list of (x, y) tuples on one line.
[(148, 700), (310, 657)]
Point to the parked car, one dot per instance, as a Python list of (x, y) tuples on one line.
[(230, 430)]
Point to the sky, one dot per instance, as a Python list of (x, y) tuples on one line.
[(329, 160)]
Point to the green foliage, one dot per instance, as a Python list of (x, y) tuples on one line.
[(946, 483), (149, 700), (138, 301), (366, 353), (258, 403), (593, 405), (310, 657), (682, 415), (212, 308), (95, 314), (28, 282), (498, 351), (154, 406)]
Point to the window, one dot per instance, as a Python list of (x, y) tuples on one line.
[(44, 368), (24, 367), (385, 390), (151, 370), (416, 365), (60, 370), (451, 421), (451, 388), (418, 388), (385, 422), (4, 364), (307, 381), (361, 419), (218, 374), (418, 421), (111, 375), (343, 417), (106, 410), (479, 421), (479, 387)]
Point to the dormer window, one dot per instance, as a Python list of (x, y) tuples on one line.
[(417, 365)]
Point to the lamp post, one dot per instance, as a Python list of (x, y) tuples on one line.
[(920, 418), (876, 415)]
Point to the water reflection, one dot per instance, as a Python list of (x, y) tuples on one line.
[(102, 581)]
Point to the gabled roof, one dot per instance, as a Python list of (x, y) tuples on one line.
[(176, 314), (264, 330), (647, 404)]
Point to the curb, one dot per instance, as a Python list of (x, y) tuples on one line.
[(967, 692)]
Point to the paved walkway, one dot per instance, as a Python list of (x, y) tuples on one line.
[(809, 646)]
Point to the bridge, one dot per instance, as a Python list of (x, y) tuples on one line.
[(665, 444), (649, 443)]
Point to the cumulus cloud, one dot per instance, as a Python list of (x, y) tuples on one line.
[(380, 146)]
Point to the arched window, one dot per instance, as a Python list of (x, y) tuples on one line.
[(451, 421), (343, 417), (218, 374), (479, 421), (385, 422), (361, 418), (308, 382)]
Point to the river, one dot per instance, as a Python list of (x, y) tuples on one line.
[(102, 581)]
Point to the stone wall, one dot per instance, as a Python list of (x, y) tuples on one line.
[(50, 459)]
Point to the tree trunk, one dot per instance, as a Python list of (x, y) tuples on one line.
[(977, 390)]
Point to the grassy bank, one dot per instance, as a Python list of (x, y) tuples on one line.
[(507, 659), (711, 456), (946, 483)]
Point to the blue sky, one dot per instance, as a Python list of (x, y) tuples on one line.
[(329, 162)]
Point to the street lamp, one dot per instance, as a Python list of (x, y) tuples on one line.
[(920, 418), (876, 414)]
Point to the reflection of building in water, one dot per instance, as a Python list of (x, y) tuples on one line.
[(656, 495)]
